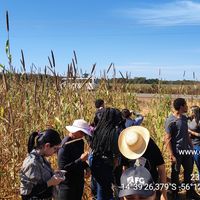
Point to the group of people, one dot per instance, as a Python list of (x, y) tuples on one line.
[(183, 142), (124, 162)]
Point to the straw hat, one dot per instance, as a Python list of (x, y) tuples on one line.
[(133, 141), (79, 125)]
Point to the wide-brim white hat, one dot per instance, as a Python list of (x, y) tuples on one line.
[(79, 125), (133, 141)]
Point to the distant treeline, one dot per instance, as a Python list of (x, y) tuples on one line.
[(143, 80), (136, 80)]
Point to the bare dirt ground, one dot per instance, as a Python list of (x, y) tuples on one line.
[(145, 99), (148, 96)]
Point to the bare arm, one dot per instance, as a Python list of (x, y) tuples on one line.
[(163, 180), (169, 147), (168, 143), (193, 133), (189, 138)]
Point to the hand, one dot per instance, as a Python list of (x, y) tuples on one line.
[(173, 159), (163, 196), (54, 180), (84, 156), (60, 173), (87, 172), (136, 113)]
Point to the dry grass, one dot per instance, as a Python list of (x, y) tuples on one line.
[(36, 102)]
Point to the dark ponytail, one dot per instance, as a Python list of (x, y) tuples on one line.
[(31, 141), (37, 140)]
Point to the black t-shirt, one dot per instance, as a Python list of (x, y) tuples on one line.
[(69, 160), (153, 157)]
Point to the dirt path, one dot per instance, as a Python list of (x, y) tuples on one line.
[(145, 100), (150, 96)]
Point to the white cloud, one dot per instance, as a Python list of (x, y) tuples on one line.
[(171, 14)]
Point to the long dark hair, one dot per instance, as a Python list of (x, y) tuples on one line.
[(38, 139), (103, 140), (196, 112)]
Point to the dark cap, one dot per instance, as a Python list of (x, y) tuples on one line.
[(136, 180)]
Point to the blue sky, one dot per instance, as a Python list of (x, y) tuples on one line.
[(139, 37)]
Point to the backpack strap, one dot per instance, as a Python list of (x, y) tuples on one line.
[(140, 162), (173, 123)]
